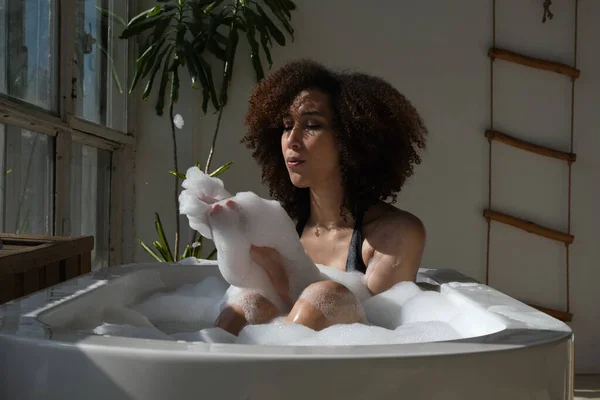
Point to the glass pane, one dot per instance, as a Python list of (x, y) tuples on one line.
[(101, 63), (28, 51), (26, 182), (90, 198)]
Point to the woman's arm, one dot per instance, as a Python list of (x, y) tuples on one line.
[(398, 250), (270, 260), (397, 253)]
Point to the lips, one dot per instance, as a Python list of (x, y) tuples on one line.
[(294, 161)]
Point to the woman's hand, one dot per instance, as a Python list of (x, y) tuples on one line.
[(271, 261)]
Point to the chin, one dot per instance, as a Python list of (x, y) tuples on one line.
[(299, 181)]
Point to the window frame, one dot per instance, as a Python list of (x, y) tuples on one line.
[(66, 128)]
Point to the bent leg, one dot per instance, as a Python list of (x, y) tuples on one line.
[(248, 308), (324, 304)]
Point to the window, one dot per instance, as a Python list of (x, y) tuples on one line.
[(28, 67), (90, 198), (64, 119), (100, 64), (26, 180)]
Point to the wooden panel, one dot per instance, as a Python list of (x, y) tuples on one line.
[(85, 263), (532, 62), (30, 282), (42, 284), (31, 263), (36, 239), (71, 268), (7, 289), (561, 315), (52, 274), (42, 254), (18, 286)]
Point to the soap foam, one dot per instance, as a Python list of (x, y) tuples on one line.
[(273, 334), (354, 281), (200, 191), (209, 335), (191, 306), (427, 306), (236, 223), (359, 334), (385, 308), (403, 314), (131, 331)]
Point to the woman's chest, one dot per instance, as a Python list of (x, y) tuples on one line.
[(332, 248)]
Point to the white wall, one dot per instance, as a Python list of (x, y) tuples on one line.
[(436, 54)]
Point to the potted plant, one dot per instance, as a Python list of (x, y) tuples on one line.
[(192, 34)]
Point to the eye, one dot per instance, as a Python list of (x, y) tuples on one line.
[(288, 125)]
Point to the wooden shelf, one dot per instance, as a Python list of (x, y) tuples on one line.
[(527, 146), (529, 226), (561, 315), (537, 63)]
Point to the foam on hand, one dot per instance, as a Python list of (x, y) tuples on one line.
[(236, 223), (200, 191)]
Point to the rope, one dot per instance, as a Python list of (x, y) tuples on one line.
[(547, 15), (547, 12), (567, 268), (489, 222)]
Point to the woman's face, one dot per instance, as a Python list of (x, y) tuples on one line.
[(308, 141)]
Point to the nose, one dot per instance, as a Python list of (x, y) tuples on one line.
[(294, 138)]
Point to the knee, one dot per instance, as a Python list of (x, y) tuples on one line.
[(246, 308), (327, 292), (323, 304)]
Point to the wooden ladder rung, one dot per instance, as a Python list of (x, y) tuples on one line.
[(561, 315), (529, 226), (533, 148), (537, 63)]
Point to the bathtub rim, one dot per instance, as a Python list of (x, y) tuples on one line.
[(514, 337)]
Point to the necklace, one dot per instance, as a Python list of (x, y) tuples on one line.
[(318, 231)]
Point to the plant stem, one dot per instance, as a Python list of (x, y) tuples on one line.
[(224, 87), (214, 141), (176, 192)]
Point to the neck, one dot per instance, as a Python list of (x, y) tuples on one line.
[(325, 207)]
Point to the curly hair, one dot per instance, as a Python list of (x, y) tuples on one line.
[(378, 133)]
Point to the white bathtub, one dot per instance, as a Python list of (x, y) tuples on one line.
[(516, 352)]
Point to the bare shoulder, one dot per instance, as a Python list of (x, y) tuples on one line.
[(389, 224), (394, 244)]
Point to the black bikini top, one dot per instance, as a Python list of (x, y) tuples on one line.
[(354, 262)]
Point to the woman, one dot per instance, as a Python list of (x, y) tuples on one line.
[(333, 148)]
